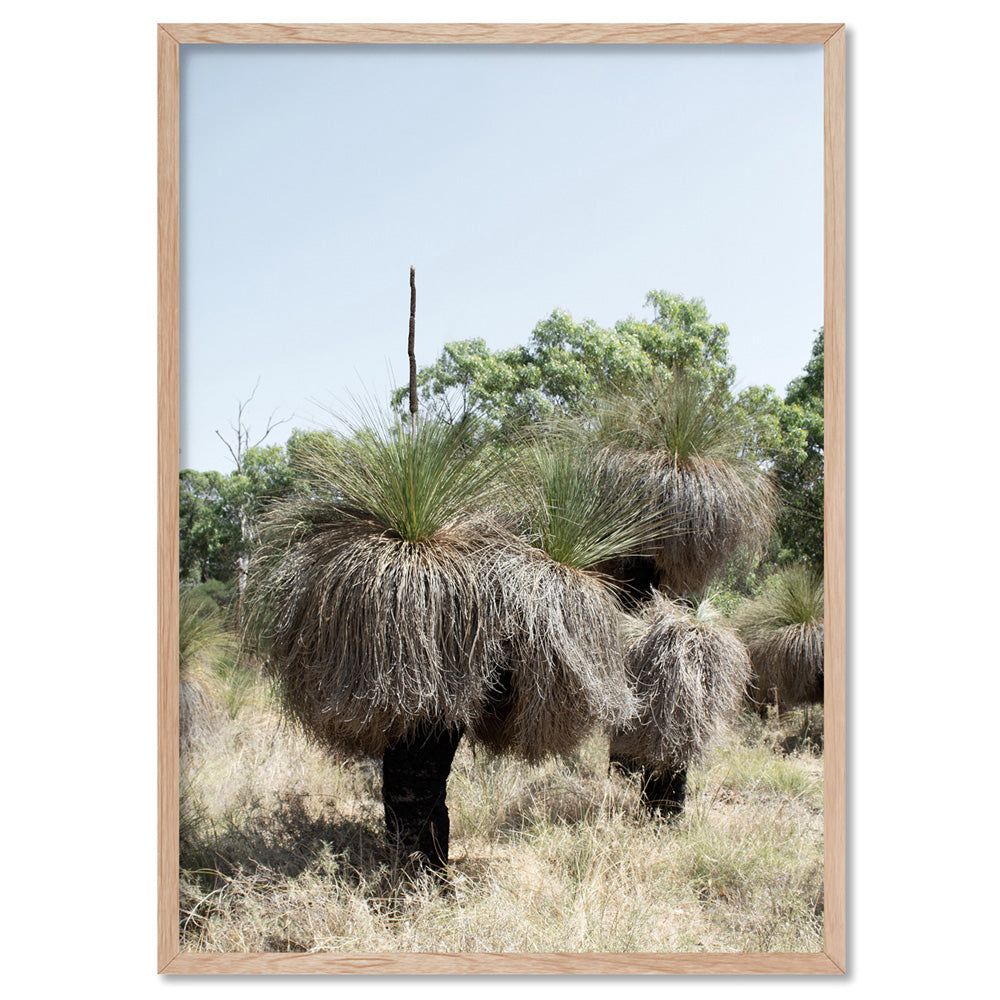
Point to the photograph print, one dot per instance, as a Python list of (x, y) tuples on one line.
[(501, 499)]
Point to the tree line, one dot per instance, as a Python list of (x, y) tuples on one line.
[(562, 370)]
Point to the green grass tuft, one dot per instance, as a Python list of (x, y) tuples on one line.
[(412, 481), (575, 505), (793, 596), (670, 414)]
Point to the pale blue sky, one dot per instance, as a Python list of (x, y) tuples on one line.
[(516, 179)]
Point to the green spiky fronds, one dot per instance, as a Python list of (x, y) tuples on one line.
[(792, 596), (576, 505), (689, 672), (678, 447), (413, 481), (672, 415), (783, 630)]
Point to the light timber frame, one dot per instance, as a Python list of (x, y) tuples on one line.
[(170, 37)]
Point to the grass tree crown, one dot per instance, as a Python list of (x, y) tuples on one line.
[(577, 506), (412, 479), (783, 630), (671, 414), (367, 596), (793, 596), (562, 659), (678, 443)]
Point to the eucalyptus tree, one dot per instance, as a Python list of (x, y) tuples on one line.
[(567, 364)]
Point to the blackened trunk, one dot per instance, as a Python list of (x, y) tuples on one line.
[(663, 792), (415, 773), (409, 347), (637, 577)]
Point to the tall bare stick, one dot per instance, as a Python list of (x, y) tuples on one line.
[(413, 357)]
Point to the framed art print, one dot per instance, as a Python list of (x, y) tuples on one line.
[(501, 498)]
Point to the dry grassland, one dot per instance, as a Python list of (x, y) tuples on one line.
[(282, 848)]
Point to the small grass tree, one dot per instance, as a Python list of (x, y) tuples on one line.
[(783, 630), (689, 673)]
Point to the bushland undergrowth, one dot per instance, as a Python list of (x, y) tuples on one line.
[(282, 848)]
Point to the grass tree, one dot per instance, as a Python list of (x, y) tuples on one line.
[(368, 603), (396, 613), (783, 630), (672, 439), (689, 672)]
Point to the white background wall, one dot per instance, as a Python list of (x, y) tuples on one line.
[(78, 391)]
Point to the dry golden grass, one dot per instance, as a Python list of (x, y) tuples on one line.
[(282, 850)]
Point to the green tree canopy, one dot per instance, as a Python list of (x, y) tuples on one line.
[(211, 538), (786, 436), (568, 364), (208, 537), (798, 466)]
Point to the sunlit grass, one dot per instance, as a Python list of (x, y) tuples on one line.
[(284, 852)]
